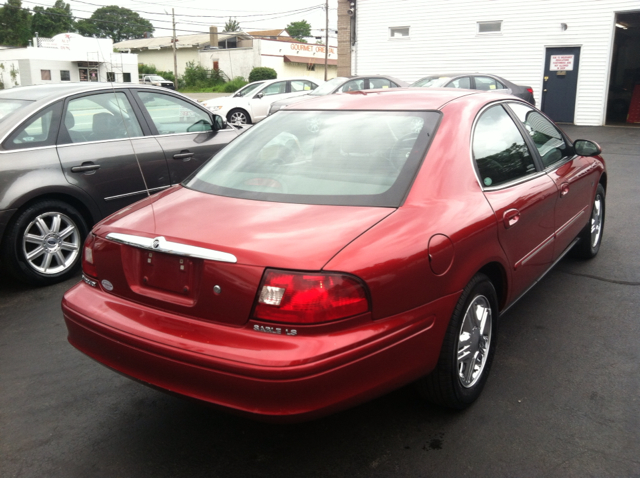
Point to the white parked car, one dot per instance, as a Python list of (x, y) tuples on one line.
[(251, 104)]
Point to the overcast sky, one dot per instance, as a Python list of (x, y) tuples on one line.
[(195, 16)]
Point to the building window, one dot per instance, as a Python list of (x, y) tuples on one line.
[(126, 77), (65, 75), (45, 75), (111, 76), (490, 27), (399, 33)]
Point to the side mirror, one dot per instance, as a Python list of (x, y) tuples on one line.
[(219, 123), (584, 147), (259, 95)]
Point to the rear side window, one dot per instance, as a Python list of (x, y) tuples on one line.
[(499, 149), (39, 130), (486, 83), (548, 140), (99, 117), (302, 85)]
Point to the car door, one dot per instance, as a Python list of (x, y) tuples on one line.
[(103, 150), (261, 101), (521, 195), (184, 131), (573, 175)]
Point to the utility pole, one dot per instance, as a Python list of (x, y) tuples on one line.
[(326, 41), (175, 57)]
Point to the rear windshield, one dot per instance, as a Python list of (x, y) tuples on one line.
[(9, 106), (351, 158)]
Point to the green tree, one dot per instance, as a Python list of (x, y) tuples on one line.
[(299, 30), (232, 25), (15, 24), (48, 22), (117, 23)]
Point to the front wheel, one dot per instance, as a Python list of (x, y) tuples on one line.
[(44, 244), (238, 116), (591, 236), (467, 349)]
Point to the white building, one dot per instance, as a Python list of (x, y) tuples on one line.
[(236, 53), (578, 55), (66, 57)]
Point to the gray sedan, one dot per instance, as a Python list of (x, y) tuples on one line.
[(71, 154), (476, 81)]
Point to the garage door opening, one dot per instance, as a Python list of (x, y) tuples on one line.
[(623, 106)]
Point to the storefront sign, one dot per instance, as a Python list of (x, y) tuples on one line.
[(311, 48), (561, 63)]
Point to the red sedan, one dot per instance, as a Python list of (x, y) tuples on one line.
[(338, 250)]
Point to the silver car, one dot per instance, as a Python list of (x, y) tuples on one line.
[(72, 154)]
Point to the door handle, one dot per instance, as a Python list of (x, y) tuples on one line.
[(510, 218), (564, 189), (185, 154), (85, 167)]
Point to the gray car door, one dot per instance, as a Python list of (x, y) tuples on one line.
[(184, 131), (104, 151)]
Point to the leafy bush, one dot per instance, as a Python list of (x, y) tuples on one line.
[(199, 77), (234, 85), (262, 73)]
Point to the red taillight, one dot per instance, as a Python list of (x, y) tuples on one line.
[(88, 267), (530, 90), (304, 298)]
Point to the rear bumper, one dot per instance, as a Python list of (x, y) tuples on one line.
[(247, 371)]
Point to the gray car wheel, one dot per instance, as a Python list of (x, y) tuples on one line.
[(44, 244), (238, 116)]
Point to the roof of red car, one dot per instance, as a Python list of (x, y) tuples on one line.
[(388, 99)]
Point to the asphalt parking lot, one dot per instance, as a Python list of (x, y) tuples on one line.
[(563, 398)]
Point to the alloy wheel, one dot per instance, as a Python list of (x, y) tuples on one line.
[(474, 341), (51, 243)]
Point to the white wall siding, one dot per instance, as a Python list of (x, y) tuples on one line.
[(444, 39)]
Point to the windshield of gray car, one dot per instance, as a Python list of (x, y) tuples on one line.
[(432, 81), (350, 158), (329, 87), (247, 89), (9, 106)]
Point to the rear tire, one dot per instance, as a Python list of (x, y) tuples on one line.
[(43, 245), (467, 350), (591, 236)]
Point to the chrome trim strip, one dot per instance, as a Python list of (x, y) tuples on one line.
[(515, 182), (128, 139), (135, 193), (571, 221), (19, 150), (528, 257), (504, 311), (160, 244)]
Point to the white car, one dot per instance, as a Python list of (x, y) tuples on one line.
[(251, 104)]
